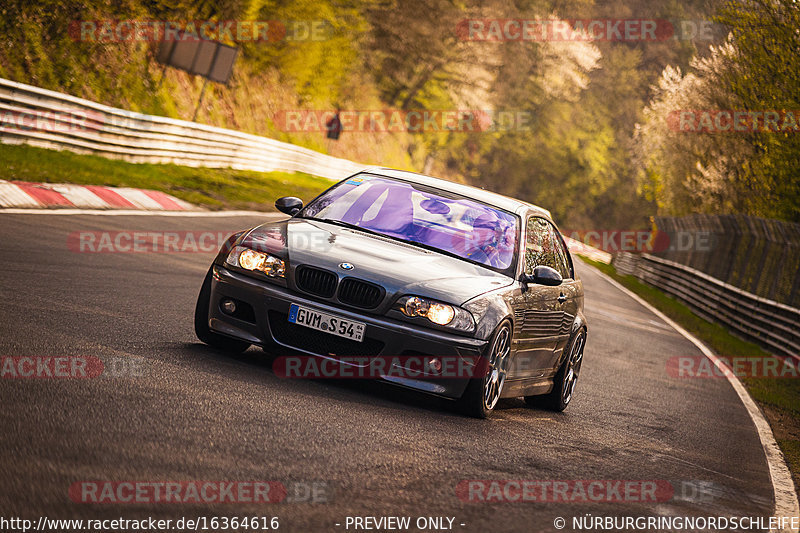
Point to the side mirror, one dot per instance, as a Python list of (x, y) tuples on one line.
[(543, 275), (289, 205)]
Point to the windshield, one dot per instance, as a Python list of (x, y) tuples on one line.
[(453, 224)]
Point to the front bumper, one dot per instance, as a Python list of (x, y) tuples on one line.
[(268, 326)]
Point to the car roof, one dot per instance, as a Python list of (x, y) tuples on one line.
[(492, 198)]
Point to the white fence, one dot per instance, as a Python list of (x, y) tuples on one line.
[(49, 119)]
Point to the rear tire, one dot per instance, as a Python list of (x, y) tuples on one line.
[(201, 329), (483, 392), (565, 379)]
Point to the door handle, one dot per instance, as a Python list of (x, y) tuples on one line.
[(562, 298)]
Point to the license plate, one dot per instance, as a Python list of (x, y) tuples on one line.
[(335, 325)]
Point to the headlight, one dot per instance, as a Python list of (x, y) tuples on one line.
[(257, 261), (437, 312)]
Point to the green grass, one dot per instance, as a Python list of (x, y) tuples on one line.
[(778, 398), (211, 188)]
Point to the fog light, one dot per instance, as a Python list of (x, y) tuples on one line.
[(435, 364), (229, 306)]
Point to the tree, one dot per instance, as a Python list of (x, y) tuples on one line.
[(766, 77)]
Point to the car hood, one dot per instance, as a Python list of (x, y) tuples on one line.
[(400, 268)]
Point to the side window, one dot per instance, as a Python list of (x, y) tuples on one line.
[(543, 246), (564, 261), (539, 245)]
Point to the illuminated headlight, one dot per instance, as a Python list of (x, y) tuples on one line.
[(257, 261), (437, 312)]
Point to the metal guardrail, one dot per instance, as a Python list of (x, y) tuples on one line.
[(50, 119), (773, 325), (758, 255)]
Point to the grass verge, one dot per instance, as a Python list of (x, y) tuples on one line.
[(778, 398), (213, 188)]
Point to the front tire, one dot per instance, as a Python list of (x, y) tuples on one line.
[(201, 329), (564, 382), (484, 391)]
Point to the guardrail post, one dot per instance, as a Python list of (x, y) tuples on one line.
[(794, 297), (200, 100), (760, 251)]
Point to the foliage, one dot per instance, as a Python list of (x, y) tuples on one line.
[(751, 172), (578, 150)]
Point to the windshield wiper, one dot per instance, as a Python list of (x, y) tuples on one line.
[(371, 232), (346, 225)]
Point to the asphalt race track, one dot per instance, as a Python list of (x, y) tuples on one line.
[(175, 410)]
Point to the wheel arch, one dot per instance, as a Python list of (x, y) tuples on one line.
[(578, 325), (489, 311)]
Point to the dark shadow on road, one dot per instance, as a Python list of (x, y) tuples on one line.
[(358, 390)]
